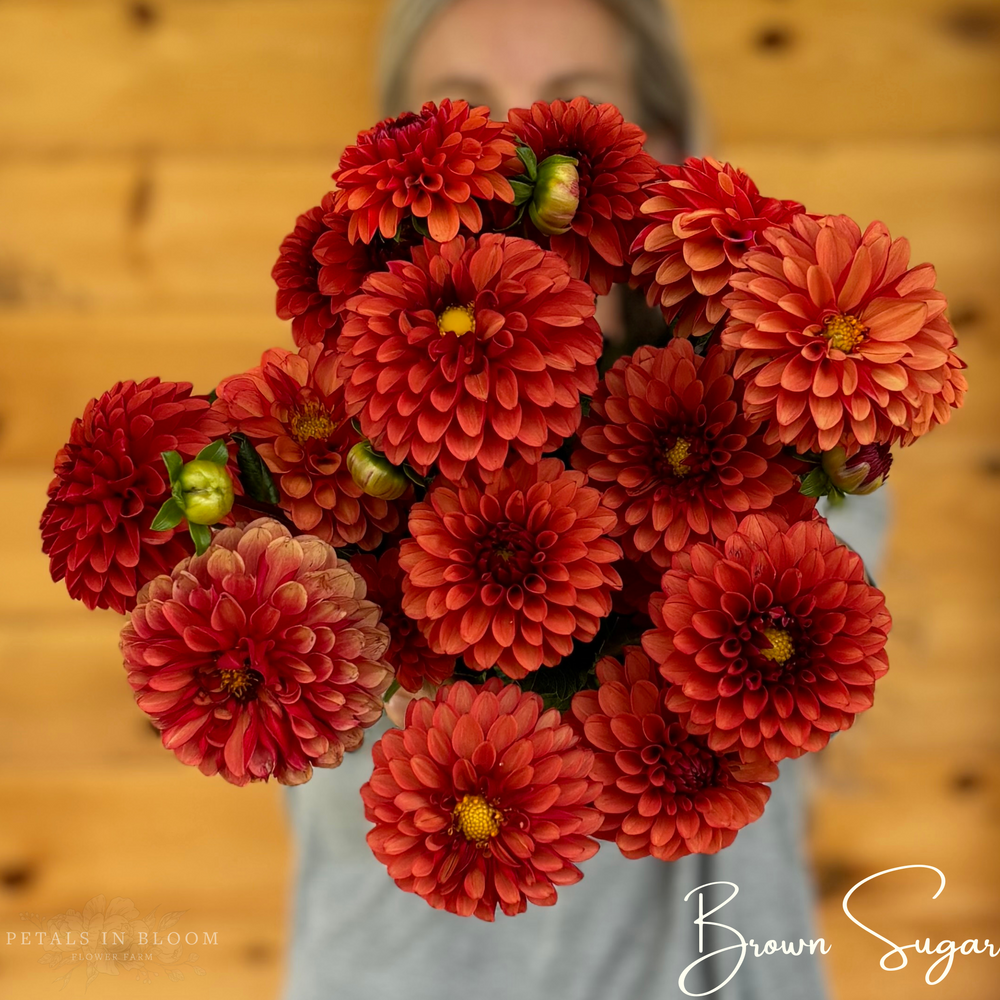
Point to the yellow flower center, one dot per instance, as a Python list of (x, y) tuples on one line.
[(458, 320), (476, 820), (676, 455), (311, 421), (241, 684), (781, 649), (844, 332)]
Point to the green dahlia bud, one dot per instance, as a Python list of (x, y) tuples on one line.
[(557, 195), (863, 472), (375, 474), (206, 492)]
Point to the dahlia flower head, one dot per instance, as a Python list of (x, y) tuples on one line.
[(613, 168), (839, 341), (110, 482), (318, 269), (483, 800), (511, 573), (409, 654), (666, 431), (260, 658), (475, 352), (665, 792), (434, 166), (704, 216), (771, 641), (291, 406)]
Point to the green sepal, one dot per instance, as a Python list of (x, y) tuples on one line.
[(527, 156), (518, 216), (524, 190), (817, 484), (212, 396), (201, 535), (254, 474), (174, 463), (420, 225), (415, 476), (168, 516), (216, 452), (556, 158)]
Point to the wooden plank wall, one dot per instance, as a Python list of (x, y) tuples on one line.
[(152, 155)]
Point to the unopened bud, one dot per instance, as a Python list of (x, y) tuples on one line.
[(862, 473), (375, 474), (206, 492), (557, 195)]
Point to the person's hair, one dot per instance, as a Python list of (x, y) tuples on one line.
[(665, 100)]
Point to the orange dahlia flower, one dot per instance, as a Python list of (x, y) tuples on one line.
[(110, 482), (706, 215), (772, 641), (409, 655), (612, 167), (511, 573), (432, 165), (839, 341), (260, 657), (292, 407), (474, 349), (666, 793), (482, 800), (666, 430)]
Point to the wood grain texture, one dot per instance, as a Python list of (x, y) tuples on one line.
[(152, 156)]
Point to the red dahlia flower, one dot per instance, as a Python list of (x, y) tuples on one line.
[(109, 484), (706, 215), (475, 348), (666, 794), (432, 165), (292, 407), (839, 343), (319, 269), (612, 168), (260, 658), (296, 274), (666, 430), (483, 800), (413, 661), (511, 573), (772, 641)]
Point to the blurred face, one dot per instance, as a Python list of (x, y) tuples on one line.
[(511, 53)]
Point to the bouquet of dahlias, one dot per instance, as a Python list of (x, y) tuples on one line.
[(610, 596)]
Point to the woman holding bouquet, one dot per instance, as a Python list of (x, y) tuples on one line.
[(628, 929)]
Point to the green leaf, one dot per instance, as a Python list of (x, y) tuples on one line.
[(254, 474), (174, 463), (527, 156), (215, 452), (201, 535), (168, 516), (420, 225), (212, 396), (524, 190)]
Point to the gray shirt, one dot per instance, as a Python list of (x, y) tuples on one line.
[(625, 932)]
